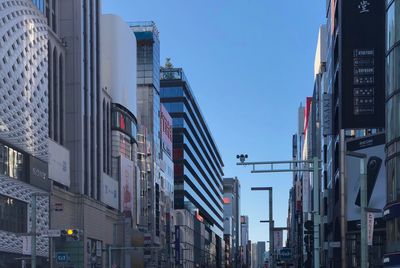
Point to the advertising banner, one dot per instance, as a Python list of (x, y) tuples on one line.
[(59, 165), (374, 148), (166, 131), (370, 227), (126, 173), (109, 191), (38, 173), (278, 239), (363, 64)]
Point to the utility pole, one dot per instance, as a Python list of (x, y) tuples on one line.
[(271, 224), (294, 166), (316, 214), (364, 206), (33, 231)]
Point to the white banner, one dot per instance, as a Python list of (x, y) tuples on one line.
[(59, 165), (26, 245), (370, 227), (278, 239), (109, 191)]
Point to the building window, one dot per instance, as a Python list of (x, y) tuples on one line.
[(11, 163), (13, 215)]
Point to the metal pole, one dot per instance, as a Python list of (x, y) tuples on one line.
[(363, 197), (109, 256), (316, 212), (271, 231), (343, 218), (33, 231)]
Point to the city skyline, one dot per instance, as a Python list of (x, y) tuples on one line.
[(245, 46)]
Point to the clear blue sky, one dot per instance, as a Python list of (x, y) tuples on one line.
[(250, 65)]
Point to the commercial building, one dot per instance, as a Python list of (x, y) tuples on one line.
[(245, 244), (154, 218), (354, 87), (232, 223), (121, 190), (392, 208), (24, 130), (197, 176)]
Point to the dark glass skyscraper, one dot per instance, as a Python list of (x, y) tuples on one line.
[(197, 162)]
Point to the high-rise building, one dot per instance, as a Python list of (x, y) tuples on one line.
[(24, 129), (121, 189), (156, 196), (354, 85), (244, 244), (261, 254), (232, 227), (197, 175), (392, 208), (254, 259)]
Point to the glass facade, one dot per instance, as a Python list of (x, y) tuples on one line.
[(39, 4), (12, 163), (393, 122), (198, 164), (13, 215), (124, 121)]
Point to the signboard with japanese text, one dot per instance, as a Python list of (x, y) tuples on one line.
[(109, 191), (166, 131), (363, 64)]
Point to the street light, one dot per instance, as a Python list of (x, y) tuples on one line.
[(271, 222), (363, 203)]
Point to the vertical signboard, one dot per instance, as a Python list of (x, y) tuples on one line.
[(109, 191), (177, 245), (370, 227), (127, 171), (363, 69), (166, 131), (278, 239), (27, 245)]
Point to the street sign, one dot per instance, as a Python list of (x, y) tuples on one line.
[(285, 254), (52, 233), (62, 257)]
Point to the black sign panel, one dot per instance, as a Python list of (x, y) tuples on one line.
[(38, 173), (363, 63)]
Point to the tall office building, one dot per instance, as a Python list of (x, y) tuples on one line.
[(261, 254), (232, 227), (197, 176), (24, 184), (244, 241), (254, 260), (392, 208), (355, 83), (149, 116)]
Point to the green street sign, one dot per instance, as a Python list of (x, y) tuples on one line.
[(62, 257), (285, 254)]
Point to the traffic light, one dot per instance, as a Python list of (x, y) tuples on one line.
[(70, 234)]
